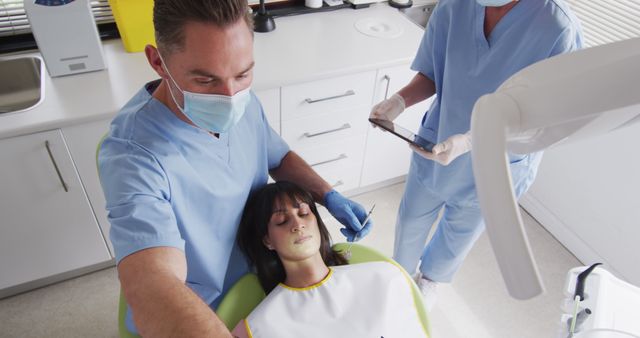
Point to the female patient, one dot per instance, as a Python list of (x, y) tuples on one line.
[(311, 290)]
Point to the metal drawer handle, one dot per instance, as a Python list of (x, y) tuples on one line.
[(337, 184), (55, 166), (347, 93), (340, 157), (343, 127), (386, 91)]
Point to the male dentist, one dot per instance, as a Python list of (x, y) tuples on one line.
[(179, 162)]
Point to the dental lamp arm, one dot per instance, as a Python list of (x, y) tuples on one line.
[(495, 192), (577, 95)]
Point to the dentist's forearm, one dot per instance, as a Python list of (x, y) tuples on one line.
[(419, 89), (163, 306), (294, 169)]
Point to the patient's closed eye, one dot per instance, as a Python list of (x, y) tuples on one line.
[(279, 219), (303, 209)]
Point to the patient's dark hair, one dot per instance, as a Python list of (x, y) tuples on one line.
[(253, 228)]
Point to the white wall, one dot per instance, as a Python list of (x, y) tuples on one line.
[(587, 195)]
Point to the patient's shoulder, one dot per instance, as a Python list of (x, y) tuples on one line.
[(378, 270), (382, 266)]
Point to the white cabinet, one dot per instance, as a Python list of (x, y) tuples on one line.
[(47, 225), (82, 141), (325, 122), (387, 156)]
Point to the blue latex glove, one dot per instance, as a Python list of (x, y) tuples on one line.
[(349, 213)]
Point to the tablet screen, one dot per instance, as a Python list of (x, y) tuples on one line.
[(403, 133)]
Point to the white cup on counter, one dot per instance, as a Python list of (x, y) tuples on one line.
[(313, 3)]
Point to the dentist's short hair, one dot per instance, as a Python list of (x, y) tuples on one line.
[(170, 17)]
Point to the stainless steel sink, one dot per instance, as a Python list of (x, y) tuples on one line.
[(419, 13), (21, 83)]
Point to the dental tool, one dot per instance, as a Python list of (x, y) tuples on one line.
[(578, 296), (347, 253), (577, 321)]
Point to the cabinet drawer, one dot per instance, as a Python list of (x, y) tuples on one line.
[(339, 163), (323, 128), (386, 156), (340, 93)]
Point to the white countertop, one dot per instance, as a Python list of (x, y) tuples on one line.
[(302, 48)]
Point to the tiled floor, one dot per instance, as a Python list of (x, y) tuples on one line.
[(475, 305)]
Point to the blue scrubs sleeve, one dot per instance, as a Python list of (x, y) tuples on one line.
[(425, 57), (570, 40), (277, 148), (138, 199)]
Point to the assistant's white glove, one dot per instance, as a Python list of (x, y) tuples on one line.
[(447, 151), (388, 109)]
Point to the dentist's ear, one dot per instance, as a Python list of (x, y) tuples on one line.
[(153, 57)]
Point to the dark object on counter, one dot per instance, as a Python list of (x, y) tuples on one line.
[(297, 7), (580, 281), (262, 20), (400, 5)]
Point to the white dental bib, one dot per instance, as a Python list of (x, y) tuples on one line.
[(359, 300)]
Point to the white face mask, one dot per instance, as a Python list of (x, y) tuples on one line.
[(493, 3), (212, 112)]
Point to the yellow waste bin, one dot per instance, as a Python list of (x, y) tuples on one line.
[(134, 19)]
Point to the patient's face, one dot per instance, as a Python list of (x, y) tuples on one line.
[(293, 231)]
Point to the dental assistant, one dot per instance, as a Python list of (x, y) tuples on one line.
[(468, 49), (179, 163)]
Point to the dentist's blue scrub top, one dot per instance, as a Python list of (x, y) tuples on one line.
[(465, 65), (168, 183)]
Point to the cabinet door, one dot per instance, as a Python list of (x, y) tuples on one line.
[(47, 225), (387, 156), (82, 140)]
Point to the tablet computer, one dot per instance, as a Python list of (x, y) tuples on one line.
[(404, 134)]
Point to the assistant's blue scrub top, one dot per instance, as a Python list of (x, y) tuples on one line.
[(465, 65), (168, 183)]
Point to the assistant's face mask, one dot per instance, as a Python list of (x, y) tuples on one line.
[(212, 112), (493, 3)]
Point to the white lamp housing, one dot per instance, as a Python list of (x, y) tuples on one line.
[(570, 96)]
